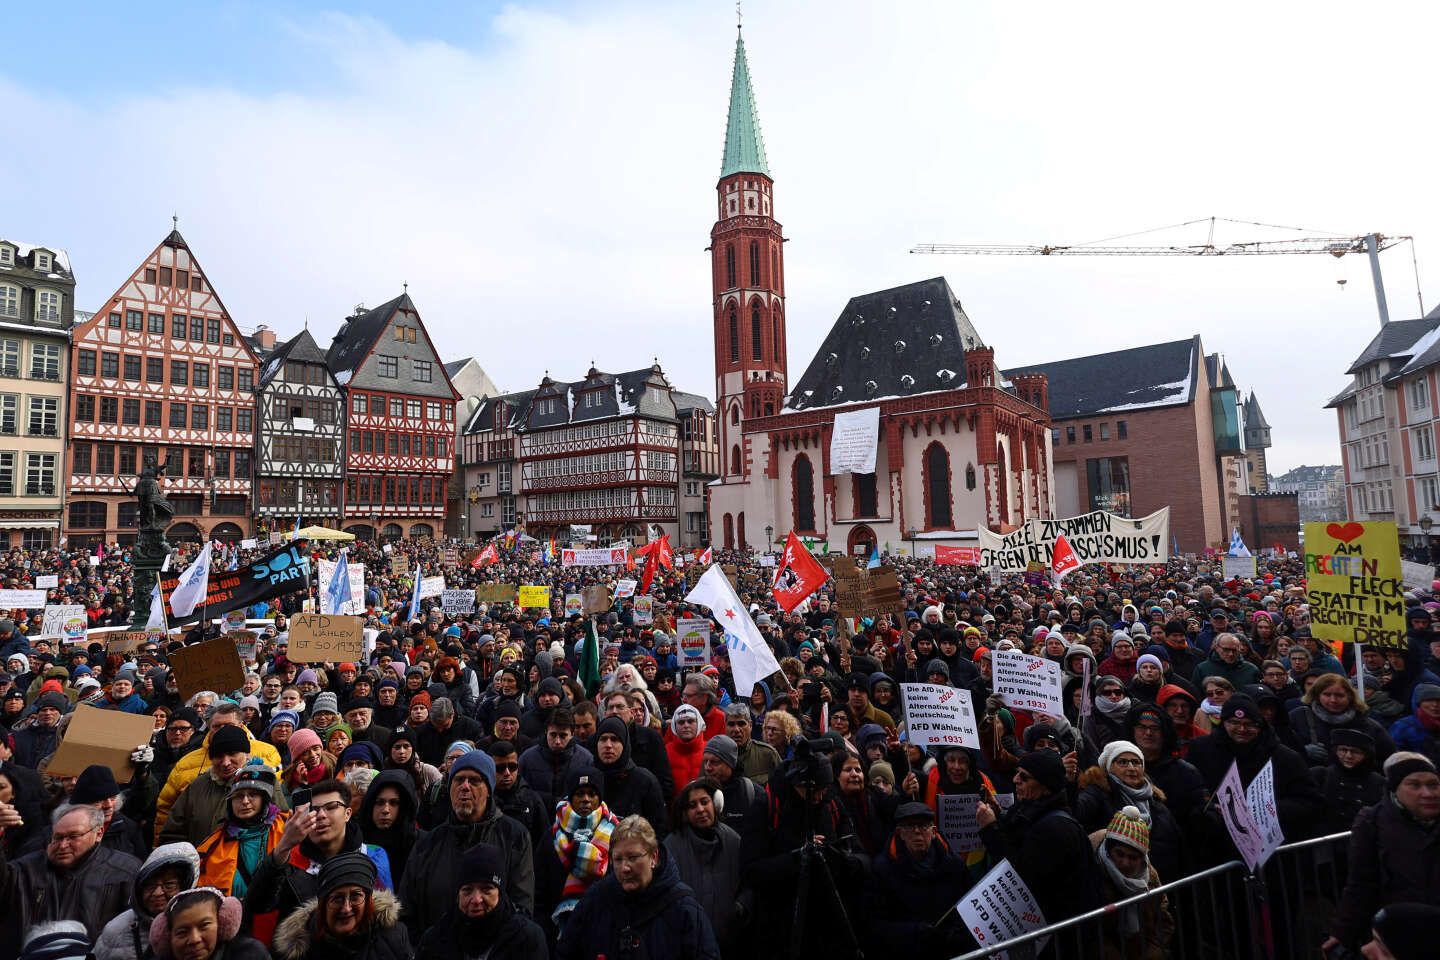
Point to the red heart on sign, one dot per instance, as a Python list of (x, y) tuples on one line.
[(1345, 531)]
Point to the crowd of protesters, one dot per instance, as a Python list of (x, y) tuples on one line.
[(462, 792)]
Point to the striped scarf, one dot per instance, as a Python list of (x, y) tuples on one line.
[(582, 845)]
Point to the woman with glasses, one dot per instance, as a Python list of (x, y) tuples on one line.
[(1118, 781), (1107, 720), (170, 868), (348, 919), (1331, 704), (251, 829)]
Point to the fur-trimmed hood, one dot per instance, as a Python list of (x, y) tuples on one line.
[(1097, 777), (293, 935)]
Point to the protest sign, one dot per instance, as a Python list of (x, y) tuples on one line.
[(595, 599), (955, 818), (232, 621), (1250, 815), (399, 566), (105, 738), (1000, 907), (644, 610), (957, 556), (866, 593), (1415, 576), (1233, 568), (119, 641), (318, 637), (212, 665), (458, 603), (598, 557), (495, 593), (431, 586), (281, 571), (47, 581), (1096, 537), (574, 605), (693, 641), (26, 599), (450, 556), (854, 439), (534, 596), (1087, 697), (356, 604), (247, 544), (624, 588), (66, 620), (244, 641), (1023, 682), (939, 715), (1353, 583)]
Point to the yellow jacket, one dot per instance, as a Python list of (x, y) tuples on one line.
[(195, 763)]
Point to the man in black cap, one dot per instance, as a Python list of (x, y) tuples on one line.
[(200, 807), (39, 740), (549, 695), (482, 922), (360, 715), (720, 762), (919, 880), (96, 787), (1045, 844)]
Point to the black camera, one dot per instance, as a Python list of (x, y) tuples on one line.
[(809, 764)]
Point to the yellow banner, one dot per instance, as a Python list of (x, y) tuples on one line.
[(534, 596), (1353, 583)]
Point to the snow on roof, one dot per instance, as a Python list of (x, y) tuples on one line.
[(343, 377), (62, 259), (1169, 393)]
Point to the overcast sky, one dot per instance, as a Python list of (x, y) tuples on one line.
[(542, 174)]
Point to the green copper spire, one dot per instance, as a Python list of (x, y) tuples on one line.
[(744, 147)]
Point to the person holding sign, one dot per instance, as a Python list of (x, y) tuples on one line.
[(919, 880)]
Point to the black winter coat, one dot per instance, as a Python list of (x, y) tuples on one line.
[(711, 867), (1392, 859), (400, 839), (431, 744), (1100, 799), (1345, 793), (1051, 851), (35, 891), (910, 895), (665, 921), (509, 937), (1296, 799)]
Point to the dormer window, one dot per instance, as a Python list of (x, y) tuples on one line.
[(43, 261), (7, 255)]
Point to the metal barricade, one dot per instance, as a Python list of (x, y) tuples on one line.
[(1282, 912)]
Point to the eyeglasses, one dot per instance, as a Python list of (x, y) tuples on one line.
[(356, 898), (631, 859), (179, 728), (331, 807), (507, 767), (1234, 724), (1127, 762), (59, 839), (170, 887)]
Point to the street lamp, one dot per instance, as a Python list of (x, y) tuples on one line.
[(769, 538), (910, 535), (474, 498)]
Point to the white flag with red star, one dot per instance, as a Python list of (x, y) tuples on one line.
[(750, 658)]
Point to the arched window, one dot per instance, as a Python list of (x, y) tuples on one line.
[(775, 269), (757, 346), (802, 492), (422, 530), (734, 335), (729, 524), (729, 266), (937, 488), (735, 415), (392, 531), (776, 344), (741, 543), (735, 459), (754, 263), (866, 495)]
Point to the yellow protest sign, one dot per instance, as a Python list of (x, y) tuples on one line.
[(1353, 583), (531, 596)]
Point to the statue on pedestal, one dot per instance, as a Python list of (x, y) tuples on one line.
[(152, 519)]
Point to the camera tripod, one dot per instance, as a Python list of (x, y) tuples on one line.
[(812, 857)]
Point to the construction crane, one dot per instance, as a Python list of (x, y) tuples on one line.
[(1336, 246)]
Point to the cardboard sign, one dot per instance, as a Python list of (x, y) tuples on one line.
[(495, 593), (644, 610), (534, 596), (866, 593), (52, 582), (101, 737), (937, 715), (64, 620), (431, 587), (399, 566), (693, 641), (22, 599), (1353, 583), (316, 638), (212, 665), (121, 641), (1415, 576), (595, 600), (955, 817), (457, 603), (1000, 907), (450, 556), (1023, 682)]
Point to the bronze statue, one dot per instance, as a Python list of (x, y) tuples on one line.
[(152, 520)]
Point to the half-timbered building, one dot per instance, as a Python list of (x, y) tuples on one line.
[(300, 441), (489, 452), (160, 369), (399, 422), (37, 307)]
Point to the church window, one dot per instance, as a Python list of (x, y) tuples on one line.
[(734, 336), (754, 263), (729, 265), (802, 490), (757, 346), (937, 487), (735, 459)]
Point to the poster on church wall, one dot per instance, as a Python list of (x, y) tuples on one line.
[(854, 438), (1097, 537)]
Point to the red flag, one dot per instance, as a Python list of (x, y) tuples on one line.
[(707, 557), (657, 554), (957, 556), (486, 556), (797, 575), (1063, 559)]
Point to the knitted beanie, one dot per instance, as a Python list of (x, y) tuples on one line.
[(1400, 765), (1128, 828), (1118, 748)]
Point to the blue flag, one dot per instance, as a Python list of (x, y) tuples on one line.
[(415, 597), (338, 593), (874, 558)]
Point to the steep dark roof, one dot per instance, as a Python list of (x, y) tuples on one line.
[(690, 401), (484, 413), (301, 347), (1217, 372), (1394, 340), (453, 367), (1158, 375), (358, 334), (1254, 417), (891, 343)]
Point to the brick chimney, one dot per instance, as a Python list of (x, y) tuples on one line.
[(264, 337)]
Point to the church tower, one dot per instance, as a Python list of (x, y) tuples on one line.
[(748, 279)]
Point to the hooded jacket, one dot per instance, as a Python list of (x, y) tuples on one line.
[(386, 939), (1410, 733), (546, 771), (629, 788), (1192, 730), (191, 765), (127, 937), (400, 839), (501, 935), (685, 755)]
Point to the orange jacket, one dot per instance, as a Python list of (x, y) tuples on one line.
[(219, 855)]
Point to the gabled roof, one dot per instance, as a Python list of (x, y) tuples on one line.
[(485, 413), (685, 402), (1217, 372), (1394, 341), (301, 348), (60, 262), (1254, 418), (744, 147), (358, 334), (455, 366), (891, 343), (1139, 378)]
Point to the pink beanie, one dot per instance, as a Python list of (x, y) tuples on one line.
[(302, 740)]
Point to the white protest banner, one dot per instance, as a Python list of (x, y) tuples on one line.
[(693, 640), (956, 820), (52, 581), (1000, 907), (939, 715), (1235, 568), (64, 620), (431, 586), (1096, 537), (457, 603), (1416, 576), (625, 588), (1255, 841), (356, 604), (644, 610), (248, 544), (1260, 795), (22, 599), (854, 439), (601, 557), (1023, 682)]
